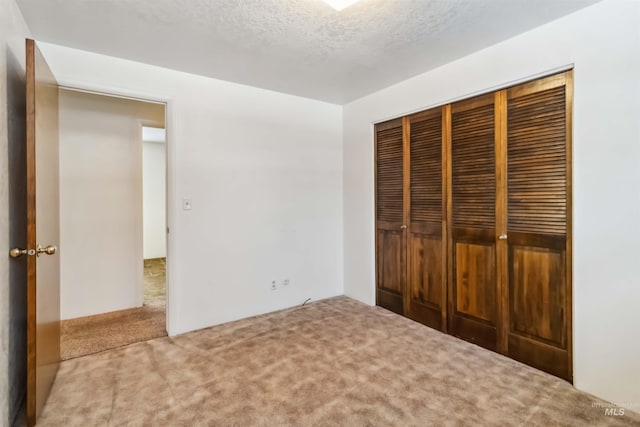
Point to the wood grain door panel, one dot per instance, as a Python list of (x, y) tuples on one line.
[(390, 212), (472, 268), (542, 356), (425, 263), (425, 279), (538, 212), (475, 277), (426, 286), (43, 227), (538, 298), (391, 265)]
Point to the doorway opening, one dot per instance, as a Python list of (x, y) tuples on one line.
[(113, 232), (154, 196)]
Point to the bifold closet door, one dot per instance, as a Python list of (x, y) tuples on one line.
[(391, 264), (473, 220), (426, 293), (473, 293), (539, 232)]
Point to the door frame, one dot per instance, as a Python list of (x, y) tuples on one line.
[(171, 197)]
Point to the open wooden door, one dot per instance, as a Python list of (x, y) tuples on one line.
[(43, 222)]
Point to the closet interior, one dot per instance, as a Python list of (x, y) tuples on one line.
[(473, 220)]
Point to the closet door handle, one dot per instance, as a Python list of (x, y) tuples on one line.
[(502, 237), (403, 227)]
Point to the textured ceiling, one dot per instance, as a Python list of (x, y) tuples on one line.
[(302, 47)]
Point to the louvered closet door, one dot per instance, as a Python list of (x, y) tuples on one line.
[(538, 141), (426, 242), (473, 295), (390, 229)]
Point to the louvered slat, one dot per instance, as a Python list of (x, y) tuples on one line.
[(426, 170), (473, 168), (389, 177), (537, 175)]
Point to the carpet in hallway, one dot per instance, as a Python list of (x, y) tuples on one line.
[(93, 334), (334, 362), (155, 286)]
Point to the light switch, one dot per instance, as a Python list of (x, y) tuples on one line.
[(186, 204)]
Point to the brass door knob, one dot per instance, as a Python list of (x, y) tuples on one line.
[(502, 237), (403, 227), (49, 250), (17, 252)]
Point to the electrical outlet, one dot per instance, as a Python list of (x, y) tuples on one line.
[(285, 282), (274, 286)]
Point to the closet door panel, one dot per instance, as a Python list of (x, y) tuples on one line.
[(426, 269), (538, 227), (426, 279), (426, 276), (538, 296), (476, 276), (473, 291), (390, 268), (390, 272), (390, 235)]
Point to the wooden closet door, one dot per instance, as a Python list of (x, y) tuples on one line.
[(473, 294), (426, 234), (390, 213), (539, 205)]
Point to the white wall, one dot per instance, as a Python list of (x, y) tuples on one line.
[(154, 199), (101, 262), (603, 41), (264, 173), (13, 272)]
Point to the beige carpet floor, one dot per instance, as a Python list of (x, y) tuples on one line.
[(336, 362), (93, 334)]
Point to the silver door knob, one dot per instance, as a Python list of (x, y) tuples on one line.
[(403, 227), (502, 237)]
